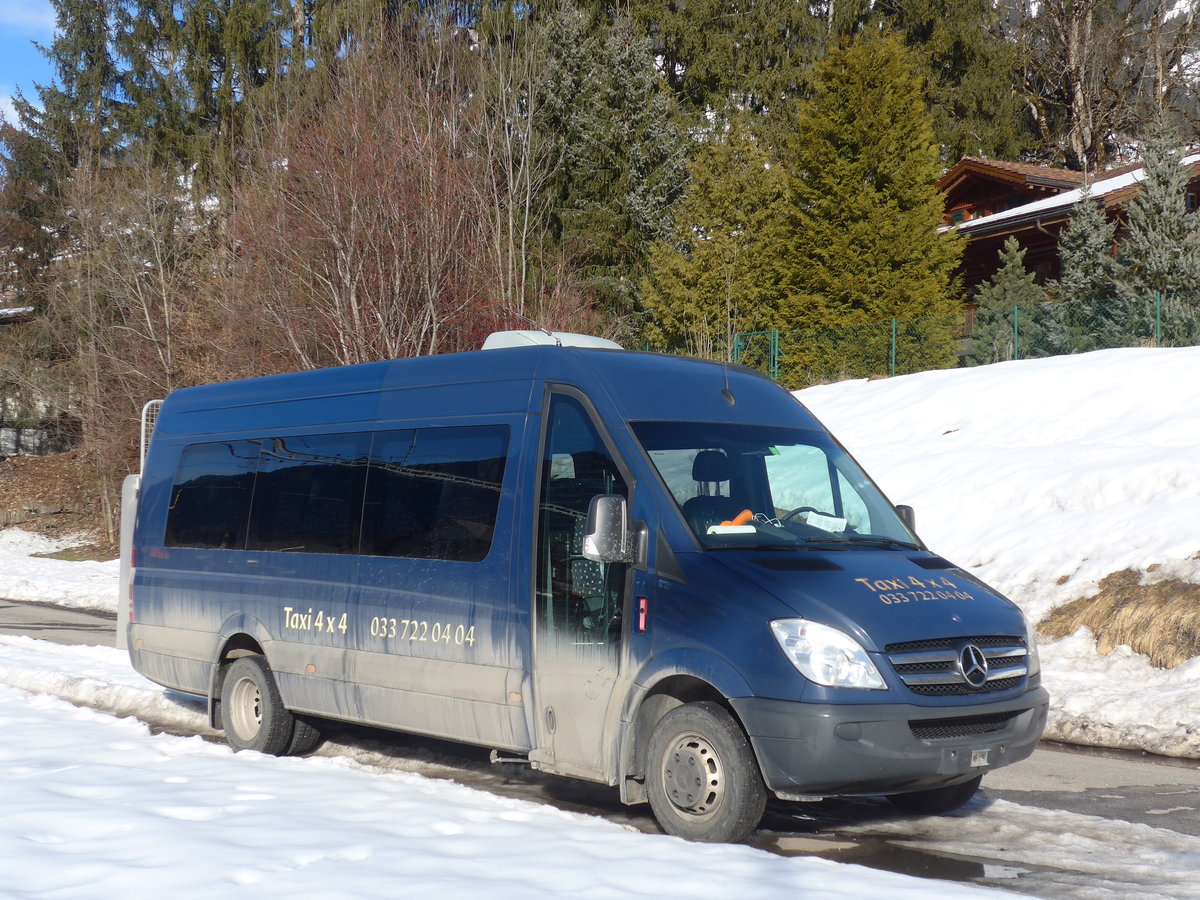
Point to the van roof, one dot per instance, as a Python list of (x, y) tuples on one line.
[(632, 385)]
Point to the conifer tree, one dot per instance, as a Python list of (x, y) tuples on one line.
[(77, 119), (1087, 287), (718, 275), (1012, 291), (721, 57), (147, 40), (1161, 253), (969, 63), (616, 148), (866, 243)]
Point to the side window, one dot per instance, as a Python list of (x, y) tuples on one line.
[(858, 517), (578, 600), (434, 493), (210, 499), (308, 495), (677, 468)]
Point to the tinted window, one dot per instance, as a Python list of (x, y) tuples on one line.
[(211, 496), (434, 493), (308, 496)]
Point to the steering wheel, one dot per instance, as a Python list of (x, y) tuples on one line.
[(801, 509)]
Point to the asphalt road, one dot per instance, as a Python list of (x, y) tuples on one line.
[(54, 623)]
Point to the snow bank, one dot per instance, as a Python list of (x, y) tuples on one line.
[(80, 585)]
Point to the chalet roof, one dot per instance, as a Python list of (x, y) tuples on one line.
[(1114, 189), (1027, 174)]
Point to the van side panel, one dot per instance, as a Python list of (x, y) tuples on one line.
[(438, 646)]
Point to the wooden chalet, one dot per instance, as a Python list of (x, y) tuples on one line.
[(991, 200)]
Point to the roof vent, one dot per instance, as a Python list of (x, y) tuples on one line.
[(499, 340)]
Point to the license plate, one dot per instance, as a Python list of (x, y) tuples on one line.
[(979, 758)]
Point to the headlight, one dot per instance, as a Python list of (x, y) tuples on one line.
[(1034, 661), (825, 655)]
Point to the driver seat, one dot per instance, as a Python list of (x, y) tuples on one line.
[(710, 467)]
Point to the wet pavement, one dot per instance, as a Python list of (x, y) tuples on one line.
[(58, 624)]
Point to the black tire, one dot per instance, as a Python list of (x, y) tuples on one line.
[(936, 801), (702, 778), (306, 737), (252, 714)]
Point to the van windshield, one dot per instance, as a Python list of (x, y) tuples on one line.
[(757, 487)]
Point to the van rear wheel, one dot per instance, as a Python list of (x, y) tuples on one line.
[(253, 715), (936, 801), (702, 778)]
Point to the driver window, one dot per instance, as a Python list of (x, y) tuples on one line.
[(579, 600)]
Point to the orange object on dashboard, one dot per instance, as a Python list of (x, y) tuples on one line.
[(740, 519)]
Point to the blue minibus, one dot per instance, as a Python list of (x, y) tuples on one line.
[(656, 573)]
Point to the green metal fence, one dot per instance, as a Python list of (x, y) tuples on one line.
[(901, 346)]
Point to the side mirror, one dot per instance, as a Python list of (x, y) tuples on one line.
[(908, 516), (608, 538)]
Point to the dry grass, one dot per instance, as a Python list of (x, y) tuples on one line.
[(1160, 620)]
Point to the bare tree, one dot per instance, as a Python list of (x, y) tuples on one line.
[(1094, 70), (115, 327), (360, 236)]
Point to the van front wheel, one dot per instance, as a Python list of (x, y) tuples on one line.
[(702, 778), (253, 715)]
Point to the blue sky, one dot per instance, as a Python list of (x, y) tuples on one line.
[(21, 23)]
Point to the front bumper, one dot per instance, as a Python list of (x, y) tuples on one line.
[(808, 750)]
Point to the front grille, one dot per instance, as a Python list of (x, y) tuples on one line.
[(967, 726), (932, 668)]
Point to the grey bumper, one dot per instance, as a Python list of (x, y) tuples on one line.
[(813, 750)]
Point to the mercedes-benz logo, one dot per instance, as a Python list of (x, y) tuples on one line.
[(973, 665)]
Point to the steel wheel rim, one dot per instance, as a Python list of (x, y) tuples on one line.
[(693, 776), (245, 714)]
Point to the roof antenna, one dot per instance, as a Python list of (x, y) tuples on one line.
[(726, 393)]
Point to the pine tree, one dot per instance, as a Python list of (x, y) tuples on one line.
[(229, 49), (721, 57), (77, 119), (616, 150), (154, 116), (1086, 289), (866, 244), (1162, 249), (969, 63), (1012, 291)]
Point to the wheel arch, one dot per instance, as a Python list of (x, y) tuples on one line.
[(240, 636), (672, 689)]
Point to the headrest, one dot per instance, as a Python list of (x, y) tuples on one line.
[(711, 465)]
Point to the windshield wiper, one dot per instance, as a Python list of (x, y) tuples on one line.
[(865, 540)]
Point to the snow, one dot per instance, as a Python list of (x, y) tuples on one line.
[(1042, 477), (98, 806), (1039, 476), (81, 585)]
